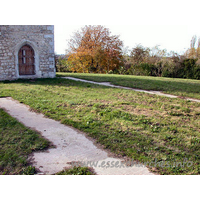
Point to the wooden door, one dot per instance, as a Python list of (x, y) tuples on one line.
[(26, 60)]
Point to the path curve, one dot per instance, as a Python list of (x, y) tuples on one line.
[(128, 88), (71, 145)]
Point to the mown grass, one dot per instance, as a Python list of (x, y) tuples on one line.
[(179, 87), (16, 143), (146, 128)]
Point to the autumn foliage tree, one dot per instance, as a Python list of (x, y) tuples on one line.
[(194, 51), (94, 49)]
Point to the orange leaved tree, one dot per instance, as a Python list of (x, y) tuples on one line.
[(94, 49)]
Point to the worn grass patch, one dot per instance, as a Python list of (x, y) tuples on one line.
[(143, 127), (16, 143), (77, 171), (180, 87)]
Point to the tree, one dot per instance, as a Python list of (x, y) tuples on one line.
[(194, 51), (93, 49), (198, 49), (139, 54)]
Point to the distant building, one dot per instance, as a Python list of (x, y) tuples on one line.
[(26, 51)]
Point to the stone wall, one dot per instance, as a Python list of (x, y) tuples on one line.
[(39, 37)]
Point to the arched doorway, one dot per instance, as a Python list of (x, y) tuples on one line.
[(26, 60)]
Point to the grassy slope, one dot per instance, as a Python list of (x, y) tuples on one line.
[(144, 127), (16, 143), (179, 87)]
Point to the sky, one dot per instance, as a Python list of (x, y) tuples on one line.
[(171, 37), (168, 23)]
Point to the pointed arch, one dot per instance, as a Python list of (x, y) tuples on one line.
[(26, 60), (21, 72)]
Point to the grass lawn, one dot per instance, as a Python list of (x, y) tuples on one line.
[(147, 128), (16, 143), (179, 87)]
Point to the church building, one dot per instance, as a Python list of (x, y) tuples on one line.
[(27, 52)]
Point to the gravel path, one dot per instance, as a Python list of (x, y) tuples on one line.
[(128, 88), (70, 145)]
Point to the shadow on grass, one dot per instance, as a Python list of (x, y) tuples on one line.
[(53, 82), (180, 87)]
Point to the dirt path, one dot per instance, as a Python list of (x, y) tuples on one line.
[(128, 88), (71, 145)]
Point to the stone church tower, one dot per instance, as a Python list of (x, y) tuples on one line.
[(26, 51)]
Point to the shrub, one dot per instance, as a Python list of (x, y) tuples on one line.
[(187, 69), (61, 64)]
